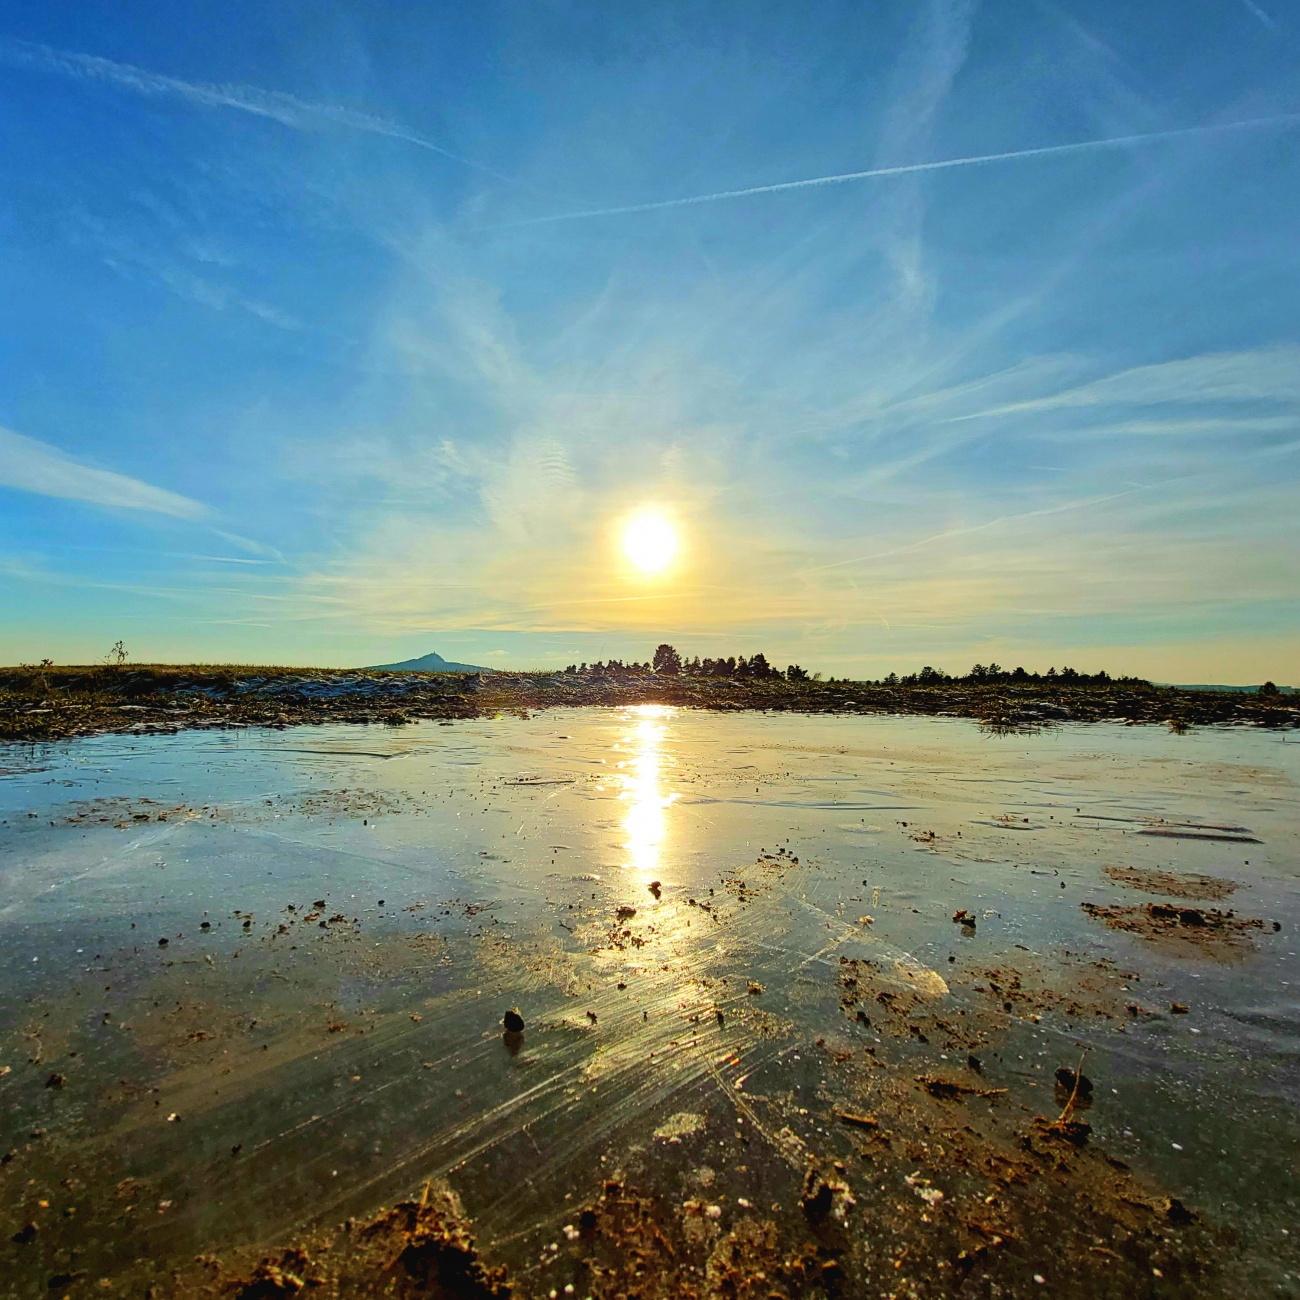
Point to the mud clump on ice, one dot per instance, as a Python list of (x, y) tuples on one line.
[(1223, 936), (421, 1247), (1211, 889)]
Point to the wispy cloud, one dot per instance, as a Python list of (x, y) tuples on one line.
[(1265, 375), (1253, 8), (923, 80), (32, 466), (275, 105), (529, 548), (987, 524), (155, 264), (899, 421), (1283, 121)]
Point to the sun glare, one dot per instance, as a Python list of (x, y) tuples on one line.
[(650, 542)]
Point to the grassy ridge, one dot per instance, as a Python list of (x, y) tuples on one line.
[(51, 703)]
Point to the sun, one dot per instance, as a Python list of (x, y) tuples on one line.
[(650, 541)]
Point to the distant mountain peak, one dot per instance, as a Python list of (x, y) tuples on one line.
[(430, 663)]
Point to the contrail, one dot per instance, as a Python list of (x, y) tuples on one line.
[(288, 110), (943, 164)]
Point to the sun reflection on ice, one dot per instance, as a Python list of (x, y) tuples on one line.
[(646, 822)]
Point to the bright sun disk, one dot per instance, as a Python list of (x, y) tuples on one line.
[(650, 542)]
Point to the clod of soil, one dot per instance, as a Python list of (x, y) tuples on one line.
[(513, 1021), (273, 1277), (1204, 888), (818, 1196), (1222, 935), (418, 1248), (1072, 1087), (1074, 1131)]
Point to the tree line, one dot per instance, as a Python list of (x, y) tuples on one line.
[(995, 674), (668, 662)]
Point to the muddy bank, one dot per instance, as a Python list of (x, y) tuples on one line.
[(56, 703), (883, 1144), (935, 1197)]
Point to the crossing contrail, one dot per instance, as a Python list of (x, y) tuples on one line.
[(942, 164)]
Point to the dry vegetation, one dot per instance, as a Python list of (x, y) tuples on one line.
[(53, 703)]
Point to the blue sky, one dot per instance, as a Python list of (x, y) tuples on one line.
[(338, 333)]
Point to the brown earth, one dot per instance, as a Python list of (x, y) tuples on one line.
[(1222, 936), (56, 703), (1166, 883)]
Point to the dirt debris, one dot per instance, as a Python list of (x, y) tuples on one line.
[(1222, 936), (421, 1247), (952, 1090), (1167, 884)]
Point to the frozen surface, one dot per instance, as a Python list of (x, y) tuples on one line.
[(324, 1052)]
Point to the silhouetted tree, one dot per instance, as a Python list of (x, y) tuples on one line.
[(795, 674), (1269, 688), (667, 661)]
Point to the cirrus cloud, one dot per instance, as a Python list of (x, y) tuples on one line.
[(32, 466)]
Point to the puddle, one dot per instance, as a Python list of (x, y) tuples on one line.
[(252, 988)]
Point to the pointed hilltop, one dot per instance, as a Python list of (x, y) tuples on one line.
[(430, 663)]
